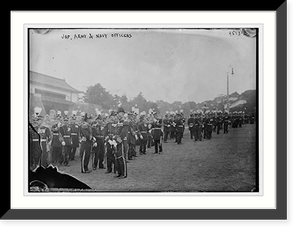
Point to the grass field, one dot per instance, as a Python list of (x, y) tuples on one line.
[(226, 163)]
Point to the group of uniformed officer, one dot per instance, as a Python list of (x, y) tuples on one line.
[(114, 138), (174, 127), (201, 125)]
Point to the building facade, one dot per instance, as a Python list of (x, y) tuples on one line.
[(49, 93)]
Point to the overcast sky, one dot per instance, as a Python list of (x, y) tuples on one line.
[(163, 64)]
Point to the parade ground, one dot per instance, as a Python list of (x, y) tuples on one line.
[(226, 163)]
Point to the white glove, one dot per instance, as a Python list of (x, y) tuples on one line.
[(136, 137), (141, 137), (114, 143), (110, 142), (95, 144), (63, 143)]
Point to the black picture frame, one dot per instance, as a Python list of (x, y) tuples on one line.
[(279, 213)]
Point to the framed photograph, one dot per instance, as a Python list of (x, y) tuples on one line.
[(139, 115)]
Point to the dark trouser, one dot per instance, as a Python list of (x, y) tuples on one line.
[(120, 162), (179, 137), (166, 134), (35, 155), (205, 132), (143, 146), (209, 128), (34, 161), (66, 151), (157, 146), (85, 151), (149, 142), (225, 127), (200, 133), (72, 152), (172, 134), (191, 133), (56, 154), (131, 151), (44, 155), (196, 134), (218, 128), (99, 153), (110, 159)]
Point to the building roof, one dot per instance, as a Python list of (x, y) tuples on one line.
[(234, 94), (51, 81)]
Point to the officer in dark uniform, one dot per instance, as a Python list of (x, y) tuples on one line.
[(121, 140), (142, 127), (167, 125), (179, 128), (252, 118), (56, 143), (132, 136), (65, 131), (204, 128), (240, 119), (35, 149), (109, 132), (198, 127), (173, 127), (87, 141), (218, 122), (191, 122), (157, 135), (45, 134), (210, 122), (75, 137), (226, 122), (234, 120), (99, 150)]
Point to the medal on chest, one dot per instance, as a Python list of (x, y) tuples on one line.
[(41, 131)]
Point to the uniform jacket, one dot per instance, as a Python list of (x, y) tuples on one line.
[(132, 133), (75, 135), (167, 125), (143, 130), (123, 129), (35, 149), (225, 119), (179, 125), (109, 129), (156, 133), (65, 131), (44, 132), (98, 131), (173, 125), (86, 132), (56, 137)]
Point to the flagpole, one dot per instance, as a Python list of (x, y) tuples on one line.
[(227, 93), (228, 88)]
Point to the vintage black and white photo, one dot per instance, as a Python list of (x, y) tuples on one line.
[(143, 109)]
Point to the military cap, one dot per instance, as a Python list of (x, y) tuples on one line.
[(87, 117), (98, 117), (37, 118), (120, 109), (113, 113)]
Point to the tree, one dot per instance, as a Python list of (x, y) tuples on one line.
[(140, 102), (98, 95)]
